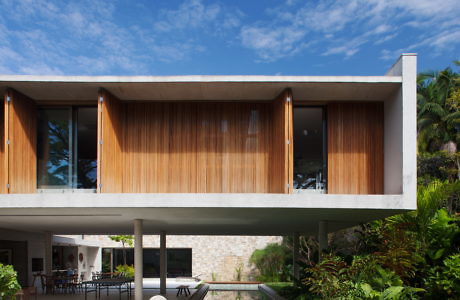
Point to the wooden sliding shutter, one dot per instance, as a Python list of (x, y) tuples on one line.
[(110, 151), (3, 161), (281, 159), (21, 142), (355, 148)]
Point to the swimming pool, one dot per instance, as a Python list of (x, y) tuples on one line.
[(235, 295)]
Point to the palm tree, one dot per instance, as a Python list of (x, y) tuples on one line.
[(438, 103)]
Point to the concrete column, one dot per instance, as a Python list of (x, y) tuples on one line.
[(322, 237), (295, 256), (163, 263), (48, 253), (138, 260)]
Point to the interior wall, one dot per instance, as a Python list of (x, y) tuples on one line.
[(355, 148), (35, 249), (393, 152)]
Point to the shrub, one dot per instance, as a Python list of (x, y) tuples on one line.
[(270, 262), (9, 284), (444, 281), (125, 270)]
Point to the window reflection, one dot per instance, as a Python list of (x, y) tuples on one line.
[(309, 149), (67, 148)]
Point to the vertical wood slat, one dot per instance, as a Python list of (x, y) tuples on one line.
[(184, 147), (21, 119), (3, 148), (282, 144), (110, 160), (355, 148)]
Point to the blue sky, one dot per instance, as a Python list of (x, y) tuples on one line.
[(268, 37)]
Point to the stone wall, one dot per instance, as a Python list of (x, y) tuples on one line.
[(218, 255)]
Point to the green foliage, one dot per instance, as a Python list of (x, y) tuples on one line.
[(125, 270), (271, 263), (9, 285), (444, 281), (239, 272), (125, 240), (440, 166), (333, 278), (438, 109), (214, 276)]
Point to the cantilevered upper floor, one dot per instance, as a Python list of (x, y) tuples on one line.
[(323, 142)]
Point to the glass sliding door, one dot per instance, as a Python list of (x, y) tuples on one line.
[(67, 148), (85, 154), (309, 149), (54, 148)]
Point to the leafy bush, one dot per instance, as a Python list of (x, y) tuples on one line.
[(9, 284), (437, 166), (444, 281), (125, 270), (333, 278), (271, 263)]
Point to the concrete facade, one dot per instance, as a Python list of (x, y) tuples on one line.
[(201, 216)]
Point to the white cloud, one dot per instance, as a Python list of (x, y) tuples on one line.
[(353, 24), (192, 14), (271, 43)]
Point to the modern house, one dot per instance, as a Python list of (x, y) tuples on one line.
[(205, 155)]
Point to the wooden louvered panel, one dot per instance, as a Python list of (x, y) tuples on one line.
[(3, 157), (21, 121), (355, 148), (185, 147), (110, 152), (281, 160)]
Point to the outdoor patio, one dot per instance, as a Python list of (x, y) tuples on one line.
[(151, 288), (113, 294)]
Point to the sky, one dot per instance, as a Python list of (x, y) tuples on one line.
[(233, 37)]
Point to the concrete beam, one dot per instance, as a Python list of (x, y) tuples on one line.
[(138, 260)]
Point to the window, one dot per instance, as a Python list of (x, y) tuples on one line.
[(179, 261), (67, 148), (309, 149)]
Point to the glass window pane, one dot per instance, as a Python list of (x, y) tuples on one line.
[(309, 138), (86, 148), (53, 148)]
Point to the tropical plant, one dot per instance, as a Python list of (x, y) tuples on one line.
[(444, 281), (438, 110), (125, 270), (439, 165), (270, 262), (333, 278), (9, 284), (239, 272), (125, 240)]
